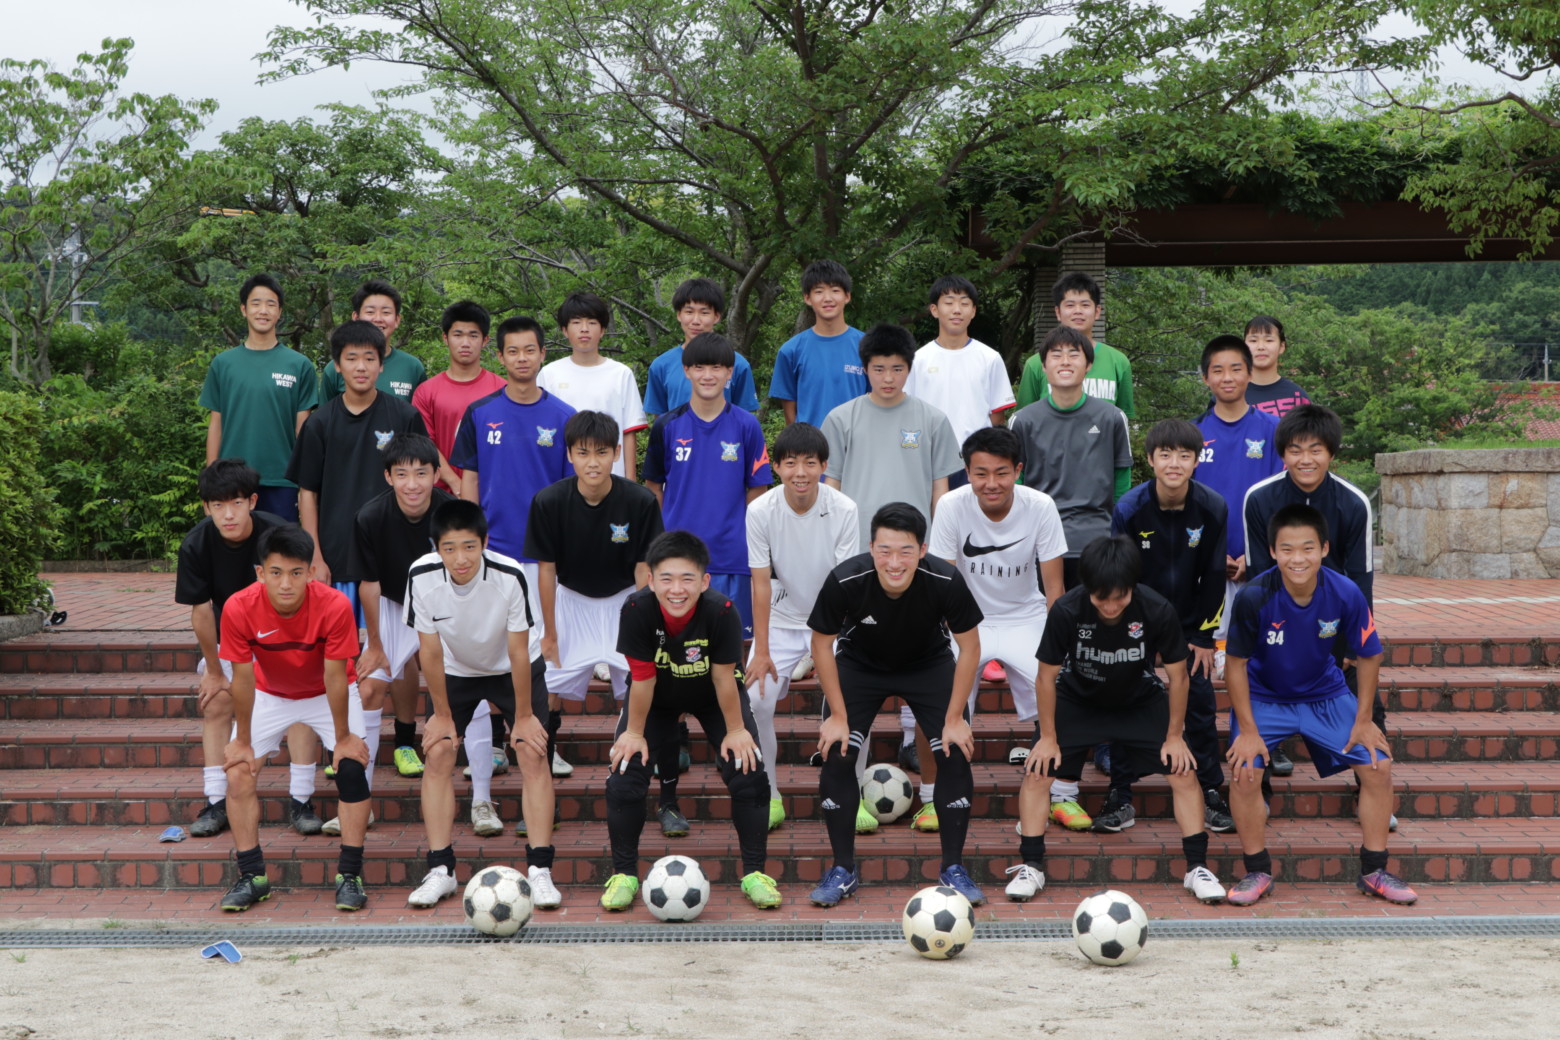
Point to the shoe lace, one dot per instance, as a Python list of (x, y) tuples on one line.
[(956, 873), (1023, 869)]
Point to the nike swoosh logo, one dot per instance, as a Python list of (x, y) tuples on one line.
[(446, 618), (262, 635), (970, 549)]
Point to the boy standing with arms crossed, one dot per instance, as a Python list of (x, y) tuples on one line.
[(586, 381), (818, 369)]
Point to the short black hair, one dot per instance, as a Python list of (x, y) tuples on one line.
[(993, 440), (953, 283), (899, 516), (458, 515), (227, 479), (1075, 281), (709, 348), (465, 310), (1173, 433), (825, 272), (677, 545), (1110, 564), (1297, 514), (1066, 336), (700, 290), (887, 340), (1267, 323), (409, 449), (260, 281), (800, 439), (589, 427), (289, 541), (1310, 420), (355, 334), (519, 323), (1219, 344), (581, 304), (376, 287)]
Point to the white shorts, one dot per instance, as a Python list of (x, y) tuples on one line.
[(787, 647), (399, 640), (587, 636), (273, 716), (1014, 646), (227, 669)]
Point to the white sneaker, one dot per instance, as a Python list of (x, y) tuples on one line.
[(1019, 755), (437, 884), (484, 819), (803, 669), (1218, 664), (544, 894), (1026, 885), (560, 767), (1204, 885), (602, 672), (333, 825)]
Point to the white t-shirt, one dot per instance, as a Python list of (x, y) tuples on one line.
[(967, 384), (473, 621), (608, 387), (999, 560), (800, 549)]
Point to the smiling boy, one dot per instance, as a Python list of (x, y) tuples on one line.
[(378, 303), (442, 401), (818, 369), (1076, 300), (698, 305), (589, 382)]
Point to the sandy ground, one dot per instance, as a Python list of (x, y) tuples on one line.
[(1359, 990)]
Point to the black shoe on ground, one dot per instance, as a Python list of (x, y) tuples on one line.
[(251, 889), (1115, 818), (1282, 764), (1102, 759), (910, 759), (350, 894), (673, 823), (302, 817), (211, 821), (1217, 814)]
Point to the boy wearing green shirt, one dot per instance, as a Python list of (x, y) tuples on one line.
[(379, 304), (1076, 297)]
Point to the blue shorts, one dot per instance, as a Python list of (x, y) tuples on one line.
[(1323, 725), (349, 589), (739, 589)]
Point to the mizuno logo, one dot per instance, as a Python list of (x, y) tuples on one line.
[(1145, 534), (495, 425), (262, 635), (971, 549)]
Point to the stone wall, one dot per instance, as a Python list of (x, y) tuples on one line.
[(1471, 514)]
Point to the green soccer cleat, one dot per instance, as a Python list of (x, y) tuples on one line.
[(926, 819), (350, 893), (866, 823), (1071, 815), (761, 890), (620, 893), (407, 763), (776, 812), (250, 889)]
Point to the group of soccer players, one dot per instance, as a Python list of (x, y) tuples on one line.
[(487, 535)]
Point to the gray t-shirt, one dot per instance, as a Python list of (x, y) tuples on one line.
[(881, 455), (1073, 457)]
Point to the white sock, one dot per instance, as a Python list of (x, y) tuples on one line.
[(768, 743), (372, 723), (300, 781), (906, 725), (927, 790), (214, 782), (481, 761), (1064, 790), (861, 759)]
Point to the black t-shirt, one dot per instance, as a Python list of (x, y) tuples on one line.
[(385, 543), (211, 570), (1110, 665), (337, 457), (684, 662), (594, 547), (885, 634)]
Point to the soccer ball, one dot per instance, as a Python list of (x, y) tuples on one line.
[(1110, 927), (887, 791), (498, 901), (939, 923), (676, 889)]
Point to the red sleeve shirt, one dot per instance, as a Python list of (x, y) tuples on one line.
[(289, 653), (442, 402)]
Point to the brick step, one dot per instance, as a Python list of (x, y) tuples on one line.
[(1303, 850), (586, 739), (158, 797)]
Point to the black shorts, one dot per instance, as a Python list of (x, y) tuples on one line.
[(465, 692), (927, 692), (1141, 760), (1139, 719)]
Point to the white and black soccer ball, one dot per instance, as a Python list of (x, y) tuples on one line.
[(676, 889), (498, 901), (1110, 927), (886, 790), (939, 923)]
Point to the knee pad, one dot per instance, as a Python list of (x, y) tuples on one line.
[(630, 788), (352, 781)]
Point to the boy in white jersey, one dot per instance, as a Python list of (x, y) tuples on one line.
[(586, 381), (796, 534)]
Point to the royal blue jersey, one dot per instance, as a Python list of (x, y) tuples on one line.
[(706, 469), (1236, 455), (819, 373), (667, 386), (1289, 649), (516, 450)]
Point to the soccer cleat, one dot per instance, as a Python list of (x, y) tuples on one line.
[(602, 672), (620, 893), (250, 889), (560, 768), (673, 823), (484, 819), (544, 894), (439, 883), (1019, 755), (957, 878), (406, 762), (925, 819), (1115, 818), (302, 817), (350, 894), (333, 825), (1384, 885), (500, 762), (212, 820), (1392, 823), (993, 672), (1249, 889), (866, 823), (1102, 759), (761, 890), (1282, 764), (684, 760), (1217, 814), (1202, 883), (776, 812), (909, 759), (837, 884), (1071, 815), (803, 669), (1026, 885), (330, 771)]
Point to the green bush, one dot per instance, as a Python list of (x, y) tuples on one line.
[(27, 511)]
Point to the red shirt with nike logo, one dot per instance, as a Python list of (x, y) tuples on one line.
[(289, 653)]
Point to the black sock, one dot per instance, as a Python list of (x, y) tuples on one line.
[(1195, 848), (1031, 849), (350, 862), (539, 856), (444, 857), (251, 861), (497, 722), (1372, 860), (405, 733), (1259, 862), (669, 789)]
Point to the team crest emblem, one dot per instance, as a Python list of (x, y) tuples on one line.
[(619, 533), (693, 654), (1253, 449), (382, 437), (728, 451), (1193, 537), (909, 438), (1135, 630), (544, 436), (1329, 629)]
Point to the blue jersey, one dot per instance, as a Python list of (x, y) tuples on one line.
[(706, 469), (516, 450), (819, 373), (1236, 455), (667, 386), (1289, 648)]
